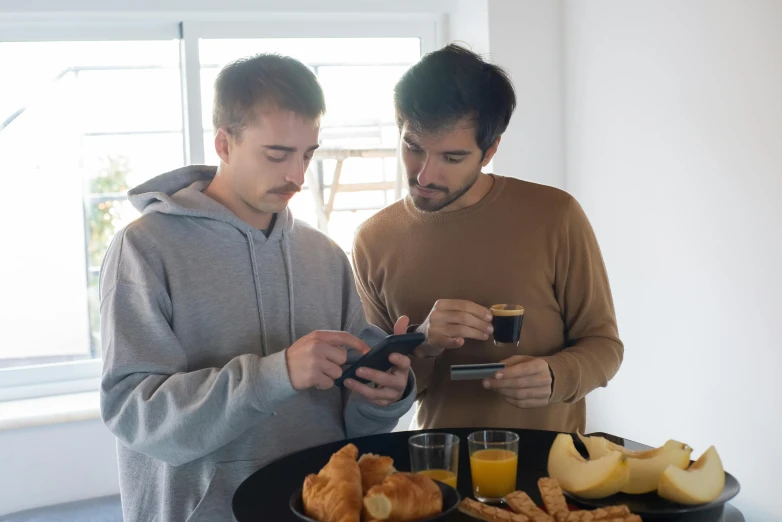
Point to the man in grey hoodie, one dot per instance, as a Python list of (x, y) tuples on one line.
[(224, 321)]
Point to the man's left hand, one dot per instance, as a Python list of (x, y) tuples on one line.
[(525, 382), (391, 385)]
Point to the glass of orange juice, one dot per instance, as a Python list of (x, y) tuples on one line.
[(494, 457), (435, 455)]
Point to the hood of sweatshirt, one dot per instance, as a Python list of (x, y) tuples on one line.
[(181, 192)]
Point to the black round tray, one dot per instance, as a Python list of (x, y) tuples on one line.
[(265, 495)]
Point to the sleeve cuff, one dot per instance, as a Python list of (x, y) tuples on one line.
[(272, 382), (563, 378)]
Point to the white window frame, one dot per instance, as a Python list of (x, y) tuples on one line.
[(26, 382)]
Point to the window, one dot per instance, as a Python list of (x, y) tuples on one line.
[(89, 114), (80, 122)]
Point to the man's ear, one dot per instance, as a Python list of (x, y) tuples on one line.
[(490, 152), (224, 144)]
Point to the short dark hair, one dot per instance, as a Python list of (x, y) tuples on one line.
[(264, 80), (451, 84)]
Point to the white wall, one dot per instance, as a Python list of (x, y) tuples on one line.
[(525, 37), (48, 465), (469, 25), (674, 148)]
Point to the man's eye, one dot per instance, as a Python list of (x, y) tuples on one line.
[(453, 159), (276, 159), (414, 149)]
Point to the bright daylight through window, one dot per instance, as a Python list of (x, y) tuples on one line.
[(80, 122)]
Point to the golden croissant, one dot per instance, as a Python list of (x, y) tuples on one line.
[(334, 494), (374, 470), (402, 497)]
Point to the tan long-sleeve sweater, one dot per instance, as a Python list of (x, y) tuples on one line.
[(522, 243)]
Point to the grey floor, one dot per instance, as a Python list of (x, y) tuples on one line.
[(105, 509)]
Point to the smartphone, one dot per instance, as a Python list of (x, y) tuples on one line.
[(377, 357), (467, 372)]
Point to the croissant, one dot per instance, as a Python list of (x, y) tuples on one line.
[(403, 497), (334, 494), (374, 469)]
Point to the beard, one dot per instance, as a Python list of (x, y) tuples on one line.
[(449, 196)]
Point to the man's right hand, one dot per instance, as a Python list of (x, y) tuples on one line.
[(450, 322), (315, 360)]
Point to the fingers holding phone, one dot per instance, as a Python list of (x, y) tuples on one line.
[(316, 360), (390, 385), (381, 376)]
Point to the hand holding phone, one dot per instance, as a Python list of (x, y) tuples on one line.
[(377, 358)]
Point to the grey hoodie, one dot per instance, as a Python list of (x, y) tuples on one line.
[(197, 309)]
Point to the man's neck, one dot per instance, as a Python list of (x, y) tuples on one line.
[(219, 191), (477, 192)]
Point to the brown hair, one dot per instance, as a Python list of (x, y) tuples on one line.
[(264, 80)]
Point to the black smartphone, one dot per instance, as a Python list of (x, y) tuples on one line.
[(377, 357)]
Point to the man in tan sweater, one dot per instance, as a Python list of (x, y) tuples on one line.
[(463, 241)]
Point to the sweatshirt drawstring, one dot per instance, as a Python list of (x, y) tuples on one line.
[(286, 246), (258, 296)]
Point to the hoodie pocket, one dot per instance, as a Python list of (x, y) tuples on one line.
[(216, 503)]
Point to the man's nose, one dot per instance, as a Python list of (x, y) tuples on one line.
[(427, 175), (296, 172)]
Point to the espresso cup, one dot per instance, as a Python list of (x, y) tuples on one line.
[(506, 320)]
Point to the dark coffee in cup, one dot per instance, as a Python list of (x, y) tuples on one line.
[(506, 320)]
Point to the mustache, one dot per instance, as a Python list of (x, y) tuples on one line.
[(414, 183), (286, 189)]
